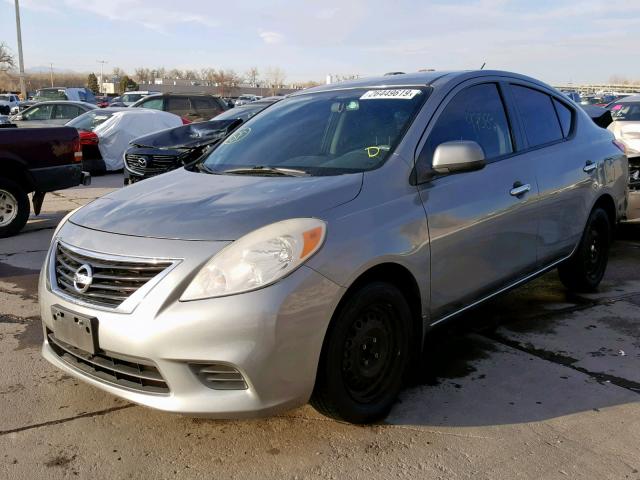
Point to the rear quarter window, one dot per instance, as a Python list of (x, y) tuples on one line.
[(565, 115), (538, 115)]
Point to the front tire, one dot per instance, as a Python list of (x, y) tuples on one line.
[(14, 208), (364, 356), (584, 271)]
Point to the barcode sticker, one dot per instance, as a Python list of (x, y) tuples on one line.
[(402, 93)]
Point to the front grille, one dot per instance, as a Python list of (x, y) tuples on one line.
[(140, 376), (152, 164), (112, 281)]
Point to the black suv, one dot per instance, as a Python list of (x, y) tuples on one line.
[(190, 107)]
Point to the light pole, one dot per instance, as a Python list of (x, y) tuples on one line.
[(51, 72), (23, 87), (101, 62)]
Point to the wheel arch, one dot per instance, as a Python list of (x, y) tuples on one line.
[(606, 202), (402, 278)]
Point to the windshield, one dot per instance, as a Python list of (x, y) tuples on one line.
[(626, 112), (51, 94), (326, 133), (90, 120)]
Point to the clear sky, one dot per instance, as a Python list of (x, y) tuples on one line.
[(554, 40)]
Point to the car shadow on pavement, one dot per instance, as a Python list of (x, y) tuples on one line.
[(483, 367)]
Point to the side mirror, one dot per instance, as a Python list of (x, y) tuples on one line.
[(458, 156)]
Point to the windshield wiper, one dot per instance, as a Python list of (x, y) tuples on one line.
[(258, 169)]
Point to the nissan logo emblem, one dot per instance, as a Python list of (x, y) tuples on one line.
[(83, 278)]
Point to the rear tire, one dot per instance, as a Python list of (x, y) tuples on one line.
[(364, 356), (14, 208), (583, 272)]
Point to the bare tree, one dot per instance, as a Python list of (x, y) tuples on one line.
[(190, 75), (175, 74), (6, 59), (226, 80), (274, 79), (118, 72), (252, 76), (142, 75)]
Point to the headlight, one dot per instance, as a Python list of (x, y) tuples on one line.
[(62, 222), (258, 259)]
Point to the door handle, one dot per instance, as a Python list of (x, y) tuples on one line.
[(589, 167), (519, 189)]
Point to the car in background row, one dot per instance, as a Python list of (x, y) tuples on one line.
[(572, 94), (22, 106), (310, 254), (244, 99), (49, 114), (129, 98), (75, 94), (105, 133), (8, 101), (35, 162), (170, 149), (625, 114), (189, 107)]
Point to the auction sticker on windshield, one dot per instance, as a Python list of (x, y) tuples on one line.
[(237, 136), (403, 93)]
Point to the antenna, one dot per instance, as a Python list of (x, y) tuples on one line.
[(482, 67)]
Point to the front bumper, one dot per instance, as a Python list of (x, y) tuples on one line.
[(273, 336)]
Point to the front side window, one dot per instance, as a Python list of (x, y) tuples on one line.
[(539, 119), (38, 112), (476, 114), (325, 133), (153, 103)]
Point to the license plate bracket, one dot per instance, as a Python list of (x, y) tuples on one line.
[(80, 331)]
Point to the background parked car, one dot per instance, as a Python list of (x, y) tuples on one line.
[(49, 114), (129, 98), (626, 127), (167, 150), (105, 133), (77, 94), (29, 164), (189, 107), (8, 101), (244, 99), (22, 105)]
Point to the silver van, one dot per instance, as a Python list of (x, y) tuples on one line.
[(307, 256)]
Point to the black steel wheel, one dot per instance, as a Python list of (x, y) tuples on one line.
[(364, 356), (584, 271)]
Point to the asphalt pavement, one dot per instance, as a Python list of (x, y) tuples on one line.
[(536, 384)]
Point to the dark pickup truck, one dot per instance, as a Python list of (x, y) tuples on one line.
[(35, 160)]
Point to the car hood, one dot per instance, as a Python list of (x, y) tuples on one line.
[(197, 206), (188, 136)]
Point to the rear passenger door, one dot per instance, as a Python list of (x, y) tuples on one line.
[(565, 188), (180, 106), (482, 234)]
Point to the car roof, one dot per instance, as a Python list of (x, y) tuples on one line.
[(415, 80), (628, 99), (66, 102)]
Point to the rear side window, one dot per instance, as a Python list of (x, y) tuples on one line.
[(538, 116), (207, 106), (178, 105), (565, 115), (66, 112), (477, 114)]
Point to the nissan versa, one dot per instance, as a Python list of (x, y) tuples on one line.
[(306, 257)]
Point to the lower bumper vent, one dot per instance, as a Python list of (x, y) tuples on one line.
[(219, 376)]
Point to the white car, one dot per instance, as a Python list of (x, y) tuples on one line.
[(105, 133), (9, 100)]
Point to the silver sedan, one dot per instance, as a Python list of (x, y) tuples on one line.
[(307, 256), (50, 114)]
